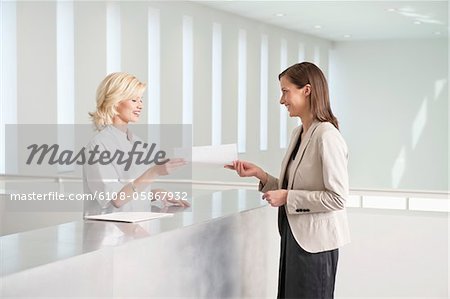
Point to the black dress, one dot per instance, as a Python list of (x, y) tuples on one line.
[(303, 274)]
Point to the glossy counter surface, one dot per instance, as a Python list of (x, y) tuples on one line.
[(30, 249)]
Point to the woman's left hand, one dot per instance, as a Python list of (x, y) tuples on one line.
[(276, 198), (168, 198)]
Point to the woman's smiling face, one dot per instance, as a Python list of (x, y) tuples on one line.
[(295, 99), (128, 111)]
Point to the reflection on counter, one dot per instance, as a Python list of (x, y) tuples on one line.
[(39, 247)]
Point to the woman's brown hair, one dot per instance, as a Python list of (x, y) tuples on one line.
[(304, 73)]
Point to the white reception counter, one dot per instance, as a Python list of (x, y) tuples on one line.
[(219, 247)]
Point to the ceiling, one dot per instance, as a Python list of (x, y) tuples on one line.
[(348, 20)]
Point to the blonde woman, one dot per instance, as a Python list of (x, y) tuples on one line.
[(119, 102)]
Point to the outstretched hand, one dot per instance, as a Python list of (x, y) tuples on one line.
[(244, 168), (169, 167), (247, 169)]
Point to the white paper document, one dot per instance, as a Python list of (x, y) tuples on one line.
[(128, 216), (214, 154)]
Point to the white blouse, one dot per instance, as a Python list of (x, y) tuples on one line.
[(103, 181)]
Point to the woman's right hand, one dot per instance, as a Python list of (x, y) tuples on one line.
[(247, 169), (168, 167), (156, 171)]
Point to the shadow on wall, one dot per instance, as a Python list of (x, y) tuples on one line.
[(429, 123), (391, 98)]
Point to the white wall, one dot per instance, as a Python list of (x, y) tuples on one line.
[(392, 100), (394, 254), (390, 96), (117, 36)]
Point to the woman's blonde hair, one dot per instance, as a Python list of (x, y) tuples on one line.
[(115, 88)]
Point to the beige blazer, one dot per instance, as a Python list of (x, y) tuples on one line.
[(318, 188)]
